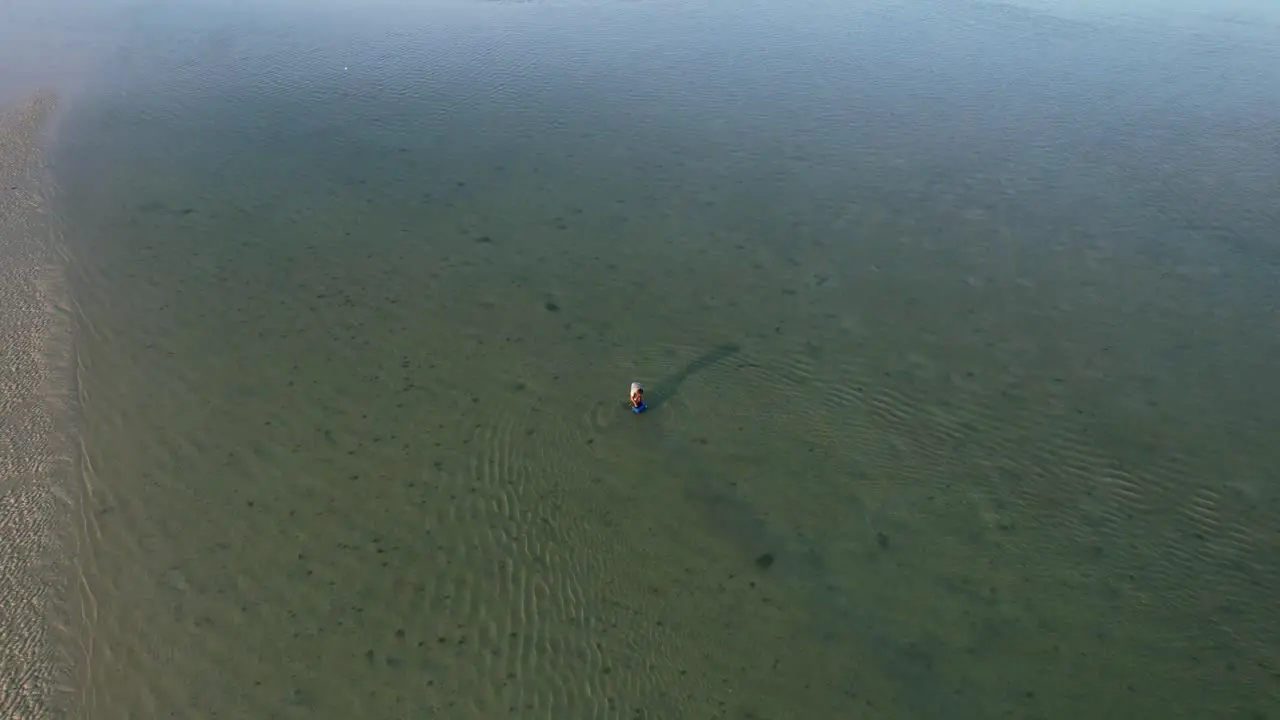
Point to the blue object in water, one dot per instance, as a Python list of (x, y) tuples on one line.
[(640, 409)]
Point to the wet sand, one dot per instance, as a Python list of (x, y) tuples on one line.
[(35, 461)]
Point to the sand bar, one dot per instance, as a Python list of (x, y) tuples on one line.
[(35, 457)]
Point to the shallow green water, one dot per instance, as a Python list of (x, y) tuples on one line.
[(956, 320)]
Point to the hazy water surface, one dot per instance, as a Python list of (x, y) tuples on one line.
[(957, 318)]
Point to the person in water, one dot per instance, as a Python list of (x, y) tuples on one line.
[(637, 398)]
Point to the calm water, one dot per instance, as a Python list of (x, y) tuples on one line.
[(957, 318)]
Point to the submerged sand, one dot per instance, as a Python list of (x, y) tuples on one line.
[(35, 457)]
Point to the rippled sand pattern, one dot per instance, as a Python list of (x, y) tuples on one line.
[(34, 449)]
